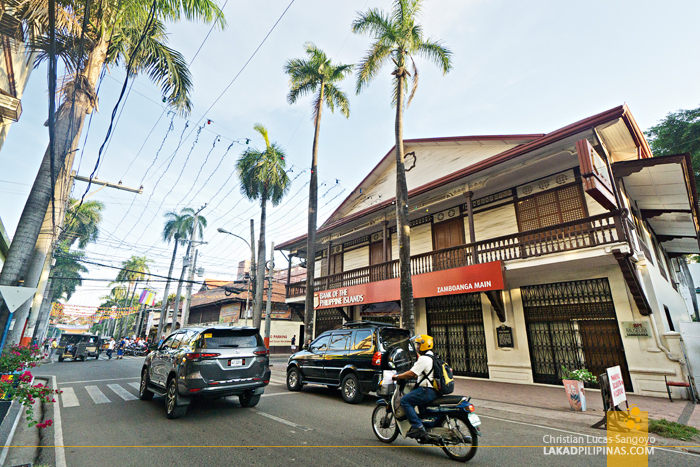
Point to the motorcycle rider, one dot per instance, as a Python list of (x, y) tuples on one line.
[(424, 393)]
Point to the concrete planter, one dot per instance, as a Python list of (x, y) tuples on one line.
[(576, 394)]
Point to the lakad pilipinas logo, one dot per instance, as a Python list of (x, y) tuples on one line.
[(626, 443)]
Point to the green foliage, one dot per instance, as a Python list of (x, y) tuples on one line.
[(672, 429), (66, 273), (179, 226), (397, 37), (316, 73), (263, 173), (678, 132), (82, 223), (133, 269), (14, 362), (579, 375)]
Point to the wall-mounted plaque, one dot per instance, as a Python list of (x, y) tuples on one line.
[(505, 336)]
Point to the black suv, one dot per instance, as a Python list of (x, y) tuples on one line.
[(351, 357), (211, 362)]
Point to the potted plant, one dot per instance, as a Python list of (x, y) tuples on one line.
[(16, 381), (573, 384)]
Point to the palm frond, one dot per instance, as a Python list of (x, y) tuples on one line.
[(260, 128), (437, 53), (374, 22), (414, 80), (206, 11), (334, 97), (369, 67)]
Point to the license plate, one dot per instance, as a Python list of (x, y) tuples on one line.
[(236, 362), (474, 420)]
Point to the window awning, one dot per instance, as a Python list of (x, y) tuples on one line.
[(665, 192)]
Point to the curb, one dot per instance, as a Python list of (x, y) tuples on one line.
[(8, 427)]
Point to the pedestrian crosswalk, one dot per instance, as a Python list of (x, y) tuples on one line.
[(74, 396)]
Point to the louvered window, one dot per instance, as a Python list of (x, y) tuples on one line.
[(551, 207)]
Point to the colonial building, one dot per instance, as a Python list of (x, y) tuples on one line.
[(528, 252)]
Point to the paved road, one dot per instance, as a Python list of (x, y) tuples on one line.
[(103, 419)]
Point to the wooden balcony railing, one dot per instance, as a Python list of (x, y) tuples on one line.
[(583, 233)]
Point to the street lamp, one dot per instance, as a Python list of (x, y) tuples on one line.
[(250, 276)]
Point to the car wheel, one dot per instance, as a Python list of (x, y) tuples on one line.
[(172, 410), (248, 400), (294, 380), (144, 393), (351, 390)]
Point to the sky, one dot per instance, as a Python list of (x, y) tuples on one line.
[(518, 67)]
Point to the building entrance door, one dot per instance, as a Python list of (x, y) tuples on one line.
[(572, 324), (327, 320), (448, 234), (456, 323)]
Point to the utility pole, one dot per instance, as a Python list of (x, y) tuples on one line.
[(185, 264), (268, 310), (188, 297)]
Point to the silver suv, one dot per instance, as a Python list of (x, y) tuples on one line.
[(206, 362)]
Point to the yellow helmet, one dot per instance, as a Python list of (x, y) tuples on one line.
[(424, 342)]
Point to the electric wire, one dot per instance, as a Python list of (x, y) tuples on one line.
[(199, 173)]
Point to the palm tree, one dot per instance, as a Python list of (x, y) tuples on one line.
[(177, 227), (398, 37), (129, 33), (263, 177), (66, 274), (82, 224), (134, 270), (319, 76)]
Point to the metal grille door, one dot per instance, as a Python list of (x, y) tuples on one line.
[(456, 323), (572, 324), (327, 320)]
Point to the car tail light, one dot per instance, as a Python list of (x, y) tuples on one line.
[(377, 359), (199, 356), (262, 353)]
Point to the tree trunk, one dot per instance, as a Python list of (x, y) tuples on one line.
[(44, 313), (68, 127), (260, 274), (176, 304), (252, 270), (311, 235), (164, 307), (402, 223)]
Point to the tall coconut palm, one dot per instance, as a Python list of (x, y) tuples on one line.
[(129, 33), (315, 75), (134, 270), (66, 274), (397, 39), (178, 227), (83, 227), (82, 223), (263, 176)]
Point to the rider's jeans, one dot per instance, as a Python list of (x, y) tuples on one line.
[(418, 397)]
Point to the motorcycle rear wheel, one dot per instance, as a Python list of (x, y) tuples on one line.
[(388, 434), (464, 451)]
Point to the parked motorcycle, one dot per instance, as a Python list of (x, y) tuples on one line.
[(449, 421)]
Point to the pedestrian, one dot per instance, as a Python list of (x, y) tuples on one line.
[(46, 345), (54, 346), (294, 344), (110, 348), (120, 348)]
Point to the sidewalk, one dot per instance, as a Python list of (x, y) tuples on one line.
[(551, 402)]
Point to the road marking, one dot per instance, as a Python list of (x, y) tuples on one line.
[(135, 385), (121, 392), (99, 380), (69, 398), (97, 396), (282, 420), (58, 431)]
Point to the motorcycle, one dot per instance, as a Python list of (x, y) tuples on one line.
[(449, 421)]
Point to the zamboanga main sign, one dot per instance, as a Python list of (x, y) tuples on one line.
[(467, 279)]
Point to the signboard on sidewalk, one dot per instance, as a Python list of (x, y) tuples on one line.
[(617, 385), (468, 279)]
